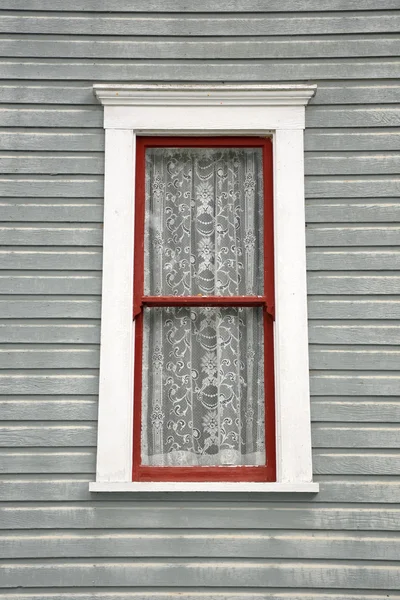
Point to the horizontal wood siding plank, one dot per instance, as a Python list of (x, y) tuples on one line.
[(204, 573), (353, 308), (50, 307), (39, 259), (54, 164), (80, 382), (331, 463), (180, 6), (43, 356), (352, 187), (386, 210), (50, 283), (67, 234), (51, 210), (50, 117), (353, 284), (345, 164), (36, 461), (354, 333), (50, 408), (13, 139), (261, 70), (357, 385), (355, 436), (355, 409), (189, 544), (354, 358), (198, 48), (217, 25), (155, 515), (44, 435), (351, 139), (352, 260), (56, 187), (47, 332)]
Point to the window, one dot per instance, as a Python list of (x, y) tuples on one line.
[(222, 129), (203, 300)]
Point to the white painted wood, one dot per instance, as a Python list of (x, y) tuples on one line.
[(205, 110), (202, 486), (114, 448), (294, 462)]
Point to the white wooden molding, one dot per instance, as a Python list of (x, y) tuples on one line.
[(201, 486), (276, 110)]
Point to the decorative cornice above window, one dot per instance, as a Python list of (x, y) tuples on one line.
[(204, 95)]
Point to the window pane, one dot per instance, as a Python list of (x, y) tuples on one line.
[(203, 387), (204, 222)]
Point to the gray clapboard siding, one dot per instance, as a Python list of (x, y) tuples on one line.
[(217, 25), (87, 210), (57, 461), (190, 48), (50, 283), (15, 139), (261, 70), (386, 210), (358, 409), (346, 259), (48, 408), (230, 6), (354, 358), (341, 544), (364, 284), (159, 516), (375, 307), (201, 572), (55, 259), (352, 139), (179, 544), (34, 307)]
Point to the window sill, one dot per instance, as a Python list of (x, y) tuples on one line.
[(203, 486)]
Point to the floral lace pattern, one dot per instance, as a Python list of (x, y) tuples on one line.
[(203, 382)]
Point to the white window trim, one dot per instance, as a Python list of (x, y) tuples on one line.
[(204, 110)]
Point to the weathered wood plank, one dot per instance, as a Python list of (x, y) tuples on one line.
[(373, 186), (197, 48), (67, 332), (353, 235), (352, 260), (353, 284), (17, 234), (36, 307), (261, 70), (353, 308), (369, 463), (48, 139), (353, 117), (51, 408), (333, 384), (355, 436), (53, 164), (230, 6), (28, 382), (216, 25), (52, 187), (51, 210), (340, 163), (192, 544), (195, 514), (361, 332), (50, 117), (351, 139), (47, 435), (353, 211), (50, 283), (61, 259), (355, 410), (48, 357), (58, 461), (349, 358), (203, 573)]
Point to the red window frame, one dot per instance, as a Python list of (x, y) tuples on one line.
[(265, 472)]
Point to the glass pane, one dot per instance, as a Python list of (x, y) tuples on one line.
[(204, 222), (203, 387)]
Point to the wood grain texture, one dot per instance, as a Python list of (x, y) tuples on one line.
[(50, 307), (45, 210), (79, 140), (375, 307)]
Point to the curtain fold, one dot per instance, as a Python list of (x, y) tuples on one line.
[(203, 368)]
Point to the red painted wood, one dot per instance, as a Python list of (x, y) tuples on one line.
[(244, 473)]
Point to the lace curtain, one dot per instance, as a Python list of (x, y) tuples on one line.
[(203, 373)]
